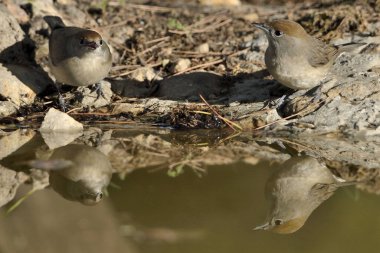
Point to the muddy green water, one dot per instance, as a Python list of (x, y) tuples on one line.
[(150, 212)]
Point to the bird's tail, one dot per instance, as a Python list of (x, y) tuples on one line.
[(54, 22)]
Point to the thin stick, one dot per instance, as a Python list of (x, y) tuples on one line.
[(150, 48), (73, 110), (202, 112), (157, 40), (90, 113), (200, 66), (113, 122), (150, 8), (231, 124)]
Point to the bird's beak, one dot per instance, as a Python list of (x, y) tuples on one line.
[(262, 227), (92, 44), (261, 26)]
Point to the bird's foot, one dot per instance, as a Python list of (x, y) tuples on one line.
[(62, 103), (99, 91), (61, 99), (317, 94), (280, 101)]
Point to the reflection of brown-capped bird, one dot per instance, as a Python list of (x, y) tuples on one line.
[(296, 59), (78, 57), (295, 191), (88, 173)]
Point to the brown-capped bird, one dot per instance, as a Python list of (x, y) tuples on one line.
[(78, 56), (296, 59)]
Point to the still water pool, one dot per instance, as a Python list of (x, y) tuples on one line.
[(164, 191)]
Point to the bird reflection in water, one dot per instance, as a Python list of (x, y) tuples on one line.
[(295, 190), (78, 173)]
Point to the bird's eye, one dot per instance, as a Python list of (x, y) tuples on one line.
[(81, 41), (101, 42), (278, 33), (278, 222)]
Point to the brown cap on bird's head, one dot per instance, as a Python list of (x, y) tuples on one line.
[(90, 38), (91, 35), (286, 227), (287, 27)]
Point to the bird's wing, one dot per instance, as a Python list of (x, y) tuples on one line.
[(321, 53), (323, 191), (59, 43)]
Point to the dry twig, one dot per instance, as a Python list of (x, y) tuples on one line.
[(230, 123)]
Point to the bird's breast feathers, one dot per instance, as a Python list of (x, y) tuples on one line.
[(295, 73), (82, 71)]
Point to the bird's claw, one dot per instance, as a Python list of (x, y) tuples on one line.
[(99, 91), (61, 102)]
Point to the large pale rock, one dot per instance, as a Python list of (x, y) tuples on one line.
[(16, 11), (20, 84), (9, 181), (353, 101), (13, 141), (10, 31), (59, 139), (57, 121), (59, 129)]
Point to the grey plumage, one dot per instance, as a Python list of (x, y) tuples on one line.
[(296, 59), (78, 56)]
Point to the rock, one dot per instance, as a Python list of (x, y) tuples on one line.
[(7, 108), (59, 129), (203, 48), (352, 99), (57, 121), (11, 33), (181, 65), (20, 84), (10, 180), (13, 141), (145, 73), (90, 97), (264, 117), (59, 139), (16, 11)]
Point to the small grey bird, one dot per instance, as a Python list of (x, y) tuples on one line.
[(299, 186), (296, 59), (78, 56)]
